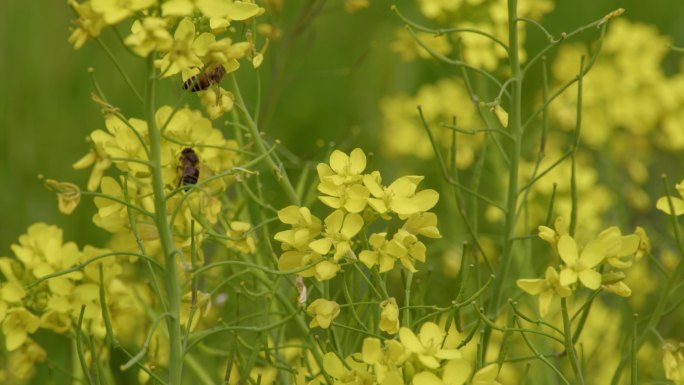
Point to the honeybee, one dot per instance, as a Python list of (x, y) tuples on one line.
[(204, 80), (189, 167)]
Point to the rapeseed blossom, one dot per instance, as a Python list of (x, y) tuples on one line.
[(546, 289), (580, 266), (323, 312), (427, 345)]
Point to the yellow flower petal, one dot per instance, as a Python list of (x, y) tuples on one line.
[(567, 249)]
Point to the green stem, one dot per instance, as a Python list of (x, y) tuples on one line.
[(569, 345), (165, 238), (514, 149), (271, 160)]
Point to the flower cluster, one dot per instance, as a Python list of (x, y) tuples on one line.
[(126, 202), (402, 132), (429, 358), (315, 248), (191, 38), (616, 252), (488, 16), (41, 290)]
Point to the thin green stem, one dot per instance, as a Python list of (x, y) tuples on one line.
[(569, 345), (165, 237), (272, 160), (514, 150), (120, 68)]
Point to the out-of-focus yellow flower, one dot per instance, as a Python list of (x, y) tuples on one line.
[(663, 203), (545, 288), (43, 252), (217, 102), (456, 372), (112, 215), (389, 316), (618, 246), (89, 22), (22, 362), (427, 346), (386, 360), (16, 327), (352, 371), (409, 49), (644, 244), (231, 10), (580, 267), (403, 132), (202, 304), (242, 240), (673, 363), (355, 5), (340, 229), (149, 35), (114, 11), (323, 312)]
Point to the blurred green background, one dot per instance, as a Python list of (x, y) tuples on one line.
[(327, 88)]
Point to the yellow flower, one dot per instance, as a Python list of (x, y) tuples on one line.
[(424, 224), (386, 360), (16, 327), (400, 196), (389, 316), (43, 252), (550, 235), (545, 288), (58, 322), (242, 240), (115, 11), (340, 181), (644, 244), (405, 247), (98, 158), (618, 246), (231, 10), (673, 363), (22, 363), (456, 372), (202, 303), (379, 254), (580, 267), (352, 371), (184, 54), (409, 49), (112, 215), (149, 35), (89, 22), (355, 5), (305, 227), (68, 195), (663, 203), (340, 229), (427, 346), (217, 102), (323, 312)]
